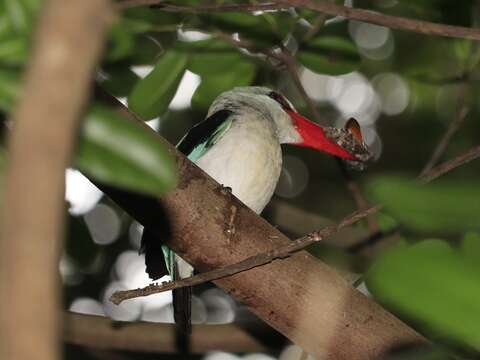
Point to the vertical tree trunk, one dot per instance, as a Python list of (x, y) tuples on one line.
[(67, 45)]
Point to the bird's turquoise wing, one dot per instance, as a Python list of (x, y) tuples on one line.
[(203, 147), (205, 134)]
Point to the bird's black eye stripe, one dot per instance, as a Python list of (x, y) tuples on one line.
[(281, 100)]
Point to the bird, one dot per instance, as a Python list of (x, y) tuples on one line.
[(239, 145)]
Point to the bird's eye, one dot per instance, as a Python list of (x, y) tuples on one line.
[(281, 100)]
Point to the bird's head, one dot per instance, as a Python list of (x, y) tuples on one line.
[(292, 128)]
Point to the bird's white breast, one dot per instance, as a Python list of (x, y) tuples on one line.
[(247, 159)]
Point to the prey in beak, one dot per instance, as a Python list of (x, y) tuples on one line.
[(350, 138), (345, 143)]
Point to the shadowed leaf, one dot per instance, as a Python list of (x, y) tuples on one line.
[(332, 55), (122, 153), (431, 284), (439, 206), (152, 95)]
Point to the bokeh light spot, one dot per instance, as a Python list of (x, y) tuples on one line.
[(293, 178), (104, 224), (80, 193), (85, 305), (393, 91)]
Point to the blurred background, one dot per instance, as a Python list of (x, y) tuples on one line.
[(419, 255)]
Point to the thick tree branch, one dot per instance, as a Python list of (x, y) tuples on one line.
[(67, 44), (102, 333), (246, 264), (393, 22), (450, 165), (293, 295)]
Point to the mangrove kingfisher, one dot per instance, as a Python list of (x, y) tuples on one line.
[(239, 146)]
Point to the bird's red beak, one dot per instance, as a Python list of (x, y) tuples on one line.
[(314, 137)]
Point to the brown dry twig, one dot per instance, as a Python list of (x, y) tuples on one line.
[(450, 165), (393, 22), (248, 263), (460, 115)]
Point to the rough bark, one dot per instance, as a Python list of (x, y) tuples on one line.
[(301, 297), (68, 42)]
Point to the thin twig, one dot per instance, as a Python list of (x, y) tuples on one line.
[(248, 263), (292, 69), (357, 195), (393, 22), (449, 165), (201, 8), (371, 240), (457, 121)]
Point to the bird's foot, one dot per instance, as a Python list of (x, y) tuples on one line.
[(225, 190)]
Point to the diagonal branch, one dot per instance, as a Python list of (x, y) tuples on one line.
[(393, 22), (293, 295), (247, 264), (450, 165), (460, 115)]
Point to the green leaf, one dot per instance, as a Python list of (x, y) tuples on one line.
[(431, 284), (119, 152), (120, 43), (5, 26), (120, 80), (17, 14), (14, 50), (211, 56), (263, 30), (21, 14), (9, 89), (143, 19), (152, 95), (439, 206), (241, 74), (470, 248), (146, 51), (436, 61), (332, 55)]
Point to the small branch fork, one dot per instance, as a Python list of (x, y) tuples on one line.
[(248, 263), (449, 165), (393, 22), (460, 115)]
